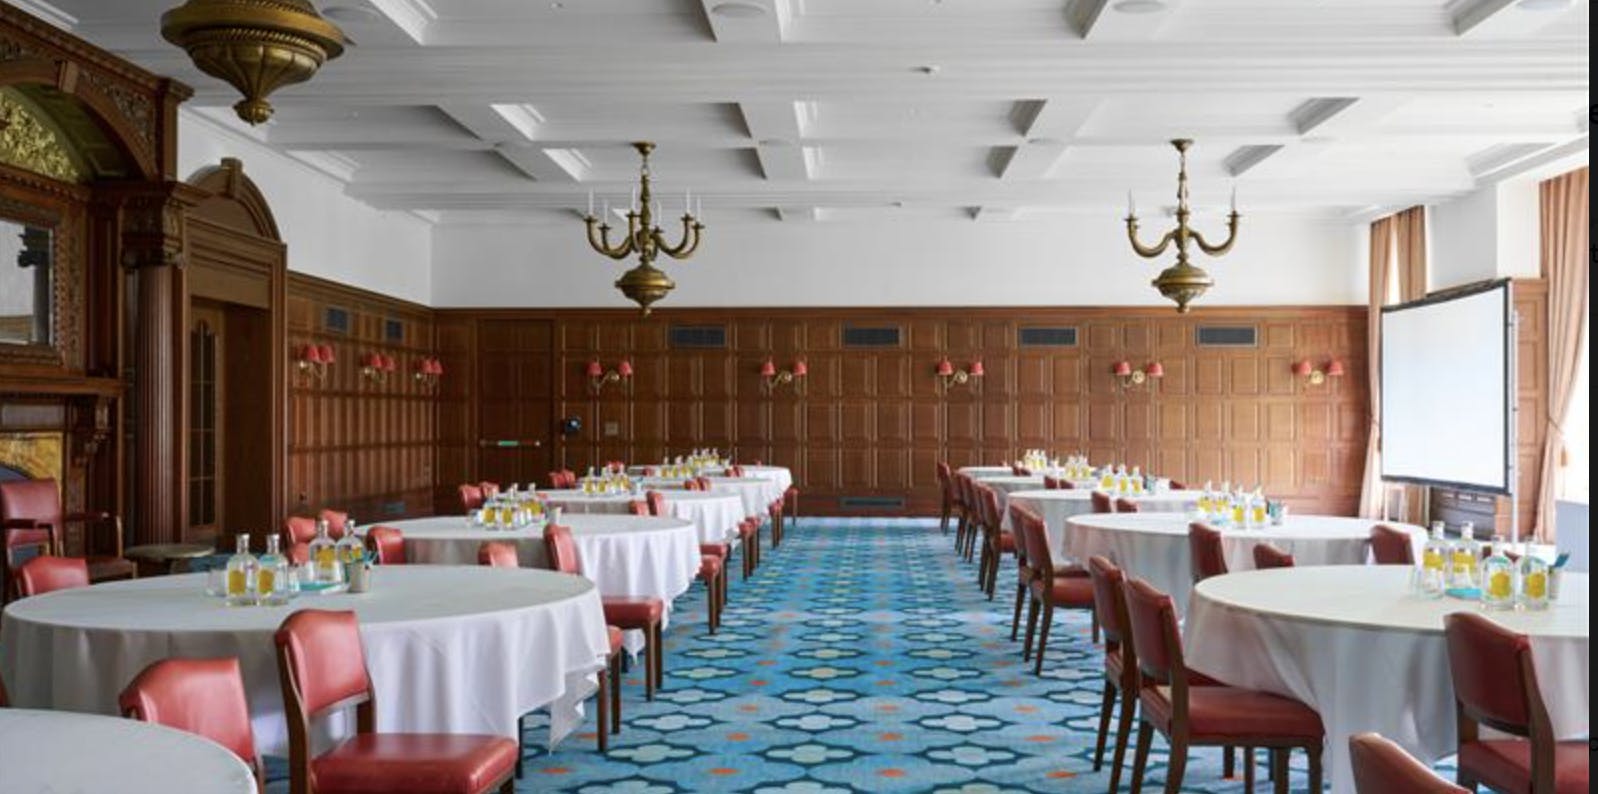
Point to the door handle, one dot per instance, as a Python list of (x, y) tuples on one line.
[(510, 443)]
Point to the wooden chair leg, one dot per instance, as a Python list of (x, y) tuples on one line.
[(520, 732), (604, 711), (1031, 628), (659, 644), (1228, 762), (615, 693), (1176, 767), (1248, 770), (649, 663), (1140, 759), (1278, 770), (1106, 705), (1043, 636), (1123, 735), (1020, 595), (1316, 774)]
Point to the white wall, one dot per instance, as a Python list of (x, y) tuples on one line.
[(1067, 260), (328, 233), (1464, 239)]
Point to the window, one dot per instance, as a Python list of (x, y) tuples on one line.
[(1573, 484)]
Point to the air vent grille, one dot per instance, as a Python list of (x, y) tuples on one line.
[(698, 336), (1227, 336), (394, 330), (870, 336), (871, 502), (336, 320), (1048, 337)]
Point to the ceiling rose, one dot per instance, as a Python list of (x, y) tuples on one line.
[(257, 46)]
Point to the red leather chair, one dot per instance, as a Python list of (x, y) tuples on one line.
[(471, 497), (1053, 483), (33, 523), (1125, 505), (1382, 767), (1120, 664), (1063, 588), (774, 512), (1391, 546), (1178, 485), (298, 529), (498, 554), (995, 541), (48, 574), (1189, 714), (790, 496), (656, 502), (562, 478), (946, 493), (693, 484), (1208, 555), (638, 507), (5, 700), (749, 541), (489, 489), (299, 553), (1024, 571), (337, 521), (388, 544), (199, 696), (970, 515), (735, 471), (1495, 684), (642, 613), (1101, 502), (713, 572), (322, 667), (1020, 471), (1268, 555)]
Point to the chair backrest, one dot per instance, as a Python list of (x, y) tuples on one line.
[(692, 484), (638, 507), (1204, 546), (1018, 515), (1125, 505), (946, 482), (199, 696), (990, 508), (557, 479), (1101, 502), (656, 501), (1382, 767), (299, 553), (735, 471), (46, 574), (1152, 616), (321, 662), (1178, 485), (298, 529), (1268, 555), (1035, 536), (1108, 600), (337, 521), (489, 489), (38, 501), (1494, 681), (388, 544), (1391, 546), (561, 550), (471, 496), (1020, 471), (498, 554), (704, 482)]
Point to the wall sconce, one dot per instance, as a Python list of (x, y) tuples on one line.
[(949, 377), (428, 371), (598, 376), (1128, 378), (314, 360), (1315, 376), (771, 377), (376, 366)]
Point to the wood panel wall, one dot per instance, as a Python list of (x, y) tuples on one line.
[(357, 444), (872, 422)]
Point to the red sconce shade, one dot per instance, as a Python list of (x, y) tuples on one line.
[(1122, 368), (800, 368), (768, 369), (625, 368), (976, 370), (325, 352), (945, 368), (1303, 368), (595, 369), (1334, 369), (1154, 370)]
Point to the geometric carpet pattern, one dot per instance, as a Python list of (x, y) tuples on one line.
[(860, 658)]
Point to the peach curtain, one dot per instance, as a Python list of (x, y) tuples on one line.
[(1409, 231), (1562, 202), (1381, 264)]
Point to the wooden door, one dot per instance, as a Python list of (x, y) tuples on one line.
[(207, 406), (515, 401)]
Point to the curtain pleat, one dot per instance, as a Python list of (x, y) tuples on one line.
[(1563, 204)]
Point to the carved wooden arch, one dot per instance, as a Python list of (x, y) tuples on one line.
[(64, 76), (235, 201)]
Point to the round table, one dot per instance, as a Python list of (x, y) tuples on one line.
[(1005, 484), (624, 555), (1355, 645), (1055, 506), (65, 751), (450, 650), (716, 515), (780, 476), (1153, 546), (757, 493), (174, 556), (980, 472)]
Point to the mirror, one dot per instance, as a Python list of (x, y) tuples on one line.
[(26, 278)]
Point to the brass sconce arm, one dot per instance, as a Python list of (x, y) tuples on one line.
[(1231, 237)]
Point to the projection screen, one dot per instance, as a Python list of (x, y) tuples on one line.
[(1447, 380)]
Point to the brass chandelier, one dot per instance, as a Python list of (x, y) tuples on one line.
[(645, 283), (257, 46), (1183, 281)]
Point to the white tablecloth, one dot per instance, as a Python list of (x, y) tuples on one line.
[(715, 514), (755, 492), (780, 476), (624, 555), (61, 751), (1055, 507), (451, 650), (1353, 644), (1153, 546), (980, 472), (1005, 484)]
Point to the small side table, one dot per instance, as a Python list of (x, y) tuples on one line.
[(175, 556)]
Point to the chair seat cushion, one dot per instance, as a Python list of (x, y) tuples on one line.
[(722, 550), (613, 634), (1069, 591), (1217, 714), (436, 763), (747, 529), (1505, 765), (102, 568), (709, 566), (633, 613), (1006, 542)]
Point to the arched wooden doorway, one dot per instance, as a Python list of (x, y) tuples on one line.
[(235, 375)]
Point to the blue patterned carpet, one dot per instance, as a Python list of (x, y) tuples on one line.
[(861, 657)]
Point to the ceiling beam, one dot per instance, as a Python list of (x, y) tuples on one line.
[(739, 23), (1100, 20), (777, 129), (414, 17), (1499, 19), (510, 131)]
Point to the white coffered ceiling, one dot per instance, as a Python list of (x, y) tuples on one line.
[(982, 110)]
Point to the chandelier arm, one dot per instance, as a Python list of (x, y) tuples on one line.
[(1148, 252), (1217, 250), (601, 243), (690, 240)]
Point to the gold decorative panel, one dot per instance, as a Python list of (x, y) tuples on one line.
[(29, 142), (38, 455)]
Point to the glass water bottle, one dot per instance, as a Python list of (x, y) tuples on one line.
[(272, 577), (1533, 582), (1465, 559), (241, 573), (349, 548), (325, 567), (1497, 578)]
